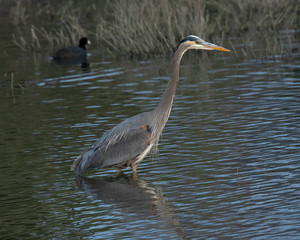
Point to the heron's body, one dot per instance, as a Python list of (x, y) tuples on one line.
[(130, 141)]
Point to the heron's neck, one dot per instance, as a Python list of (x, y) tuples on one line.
[(164, 107)]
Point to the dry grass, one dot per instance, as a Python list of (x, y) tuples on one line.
[(137, 28), (154, 27), (150, 27), (60, 27)]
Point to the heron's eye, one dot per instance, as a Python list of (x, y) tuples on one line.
[(197, 41)]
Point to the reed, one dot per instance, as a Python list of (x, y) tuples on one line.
[(159, 25), (154, 27), (150, 27), (63, 29)]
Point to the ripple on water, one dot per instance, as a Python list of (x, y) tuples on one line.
[(227, 166)]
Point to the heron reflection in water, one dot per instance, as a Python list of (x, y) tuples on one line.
[(129, 142), (135, 198)]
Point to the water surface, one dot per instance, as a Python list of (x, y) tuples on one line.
[(228, 160)]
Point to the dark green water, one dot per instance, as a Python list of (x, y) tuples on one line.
[(228, 161)]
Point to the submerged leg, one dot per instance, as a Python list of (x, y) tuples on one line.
[(134, 176), (119, 171)]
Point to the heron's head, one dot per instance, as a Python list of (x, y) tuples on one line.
[(194, 42)]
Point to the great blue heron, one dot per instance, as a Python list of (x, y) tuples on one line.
[(129, 142), (73, 52)]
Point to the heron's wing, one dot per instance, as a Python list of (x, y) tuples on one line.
[(116, 147), (123, 147)]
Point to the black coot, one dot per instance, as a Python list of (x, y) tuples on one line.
[(72, 52)]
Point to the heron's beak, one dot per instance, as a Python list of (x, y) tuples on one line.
[(210, 46)]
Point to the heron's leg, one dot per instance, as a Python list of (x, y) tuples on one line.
[(119, 171), (134, 165)]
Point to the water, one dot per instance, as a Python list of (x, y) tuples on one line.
[(228, 161)]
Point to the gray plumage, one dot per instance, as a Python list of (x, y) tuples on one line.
[(129, 142)]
